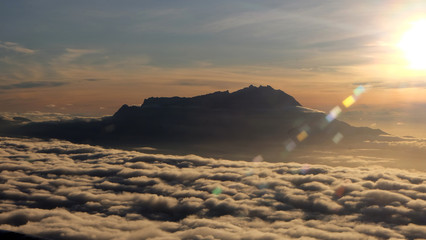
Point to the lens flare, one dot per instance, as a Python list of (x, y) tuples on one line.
[(217, 191), (348, 101), (334, 113), (290, 145), (305, 169), (337, 138), (258, 158), (309, 129), (359, 90), (302, 136)]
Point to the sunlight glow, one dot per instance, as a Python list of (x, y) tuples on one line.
[(413, 44)]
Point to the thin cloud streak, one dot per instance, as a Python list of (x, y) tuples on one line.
[(16, 47), (264, 16), (73, 54), (31, 84)]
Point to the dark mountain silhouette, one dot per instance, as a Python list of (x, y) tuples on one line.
[(244, 99), (9, 235), (253, 119)]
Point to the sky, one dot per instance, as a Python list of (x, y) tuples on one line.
[(89, 58)]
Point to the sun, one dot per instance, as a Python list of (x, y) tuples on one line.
[(413, 44)]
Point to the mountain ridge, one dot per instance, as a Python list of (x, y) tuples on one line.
[(265, 97), (249, 98)]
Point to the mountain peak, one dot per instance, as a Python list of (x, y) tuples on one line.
[(260, 87)]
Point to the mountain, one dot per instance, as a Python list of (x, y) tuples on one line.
[(9, 235), (244, 100), (253, 119)]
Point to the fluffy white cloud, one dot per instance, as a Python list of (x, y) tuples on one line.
[(59, 190)]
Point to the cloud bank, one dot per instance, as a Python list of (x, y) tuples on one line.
[(59, 190), (37, 116)]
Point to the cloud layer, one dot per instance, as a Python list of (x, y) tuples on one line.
[(59, 190), (37, 116)]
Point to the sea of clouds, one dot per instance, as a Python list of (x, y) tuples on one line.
[(59, 190)]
